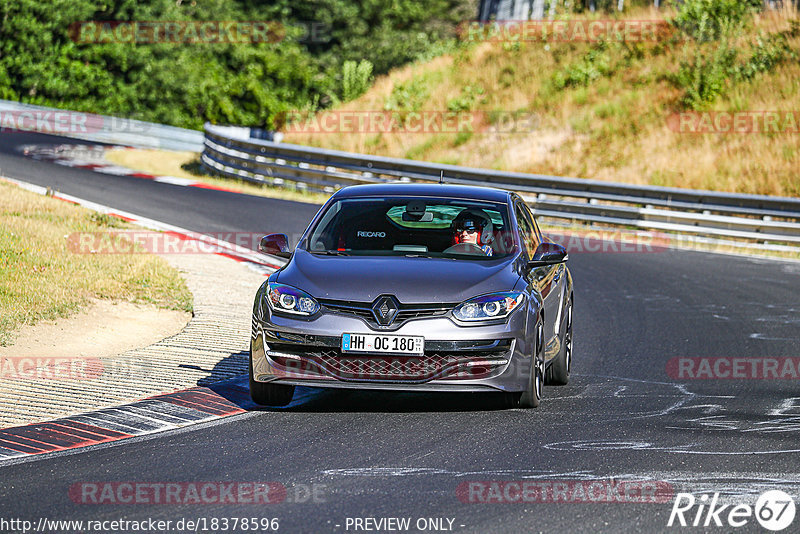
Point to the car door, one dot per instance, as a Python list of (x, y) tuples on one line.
[(546, 280)]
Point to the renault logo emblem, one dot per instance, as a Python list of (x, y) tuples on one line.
[(385, 309)]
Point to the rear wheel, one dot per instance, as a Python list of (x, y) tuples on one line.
[(267, 394), (532, 396), (558, 372)]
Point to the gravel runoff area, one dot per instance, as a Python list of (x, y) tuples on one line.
[(212, 347)]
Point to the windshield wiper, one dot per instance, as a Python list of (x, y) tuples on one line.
[(332, 252)]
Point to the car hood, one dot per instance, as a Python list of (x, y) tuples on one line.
[(411, 280)]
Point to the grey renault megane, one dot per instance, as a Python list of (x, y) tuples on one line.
[(424, 287)]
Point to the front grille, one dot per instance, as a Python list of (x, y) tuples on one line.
[(387, 368), (406, 315), (363, 313), (406, 312), (448, 361)]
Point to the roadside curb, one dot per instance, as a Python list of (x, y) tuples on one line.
[(148, 416)]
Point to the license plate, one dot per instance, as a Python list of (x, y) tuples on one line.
[(383, 344)]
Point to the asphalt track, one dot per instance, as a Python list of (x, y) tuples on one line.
[(381, 455)]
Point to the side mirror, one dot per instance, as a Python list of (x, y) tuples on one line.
[(275, 245), (548, 254)]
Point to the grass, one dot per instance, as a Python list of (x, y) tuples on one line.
[(603, 112), (187, 165), (40, 279)]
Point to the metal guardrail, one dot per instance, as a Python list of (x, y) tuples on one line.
[(760, 218), (98, 128)]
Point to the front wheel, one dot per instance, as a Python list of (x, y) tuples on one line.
[(558, 372), (532, 396), (266, 394)]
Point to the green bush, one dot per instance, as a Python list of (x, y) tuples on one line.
[(705, 76), (409, 96), (710, 20), (767, 53), (356, 78), (469, 96), (593, 65)]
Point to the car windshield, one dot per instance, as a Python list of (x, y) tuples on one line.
[(430, 227)]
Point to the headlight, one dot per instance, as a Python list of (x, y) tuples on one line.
[(489, 307), (287, 299)]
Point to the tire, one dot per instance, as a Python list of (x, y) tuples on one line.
[(558, 372), (266, 394), (532, 396)]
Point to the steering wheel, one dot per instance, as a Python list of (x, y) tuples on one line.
[(465, 248)]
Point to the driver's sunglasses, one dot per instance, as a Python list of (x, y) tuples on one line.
[(468, 230)]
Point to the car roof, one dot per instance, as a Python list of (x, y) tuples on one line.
[(424, 190)]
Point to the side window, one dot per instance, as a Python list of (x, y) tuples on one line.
[(526, 232), (537, 234)]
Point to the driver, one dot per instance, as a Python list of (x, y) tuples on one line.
[(474, 226)]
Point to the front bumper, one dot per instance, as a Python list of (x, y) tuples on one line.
[(457, 358)]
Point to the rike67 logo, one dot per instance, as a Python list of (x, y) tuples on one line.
[(774, 510)]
